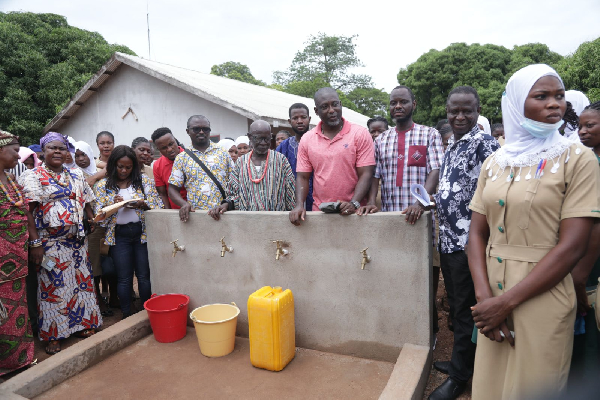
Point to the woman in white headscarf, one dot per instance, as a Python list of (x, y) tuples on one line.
[(578, 101), (484, 125), (243, 145), (533, 211), (229, 146), (84, 158)]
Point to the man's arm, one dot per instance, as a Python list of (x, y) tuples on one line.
[(365, 174), (162, 193), (299, 213)]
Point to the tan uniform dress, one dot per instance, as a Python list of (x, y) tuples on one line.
[(524, 219)]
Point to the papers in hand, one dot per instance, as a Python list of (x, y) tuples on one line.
[(113, 208), (420, 193)]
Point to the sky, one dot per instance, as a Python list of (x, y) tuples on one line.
[(266, 34)]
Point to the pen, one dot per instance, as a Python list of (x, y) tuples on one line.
[(537, 171), (542, 170)]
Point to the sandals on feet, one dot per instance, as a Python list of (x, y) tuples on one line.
[(53, 347), (85, 333)]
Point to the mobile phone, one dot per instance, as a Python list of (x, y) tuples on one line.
[(48, 264)]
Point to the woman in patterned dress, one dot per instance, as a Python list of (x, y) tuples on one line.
[(126, 229), (16, 227), (60, 200)]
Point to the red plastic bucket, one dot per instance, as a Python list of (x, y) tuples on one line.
[(168, 316)]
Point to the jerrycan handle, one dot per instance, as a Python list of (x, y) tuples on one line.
[(274, 291)]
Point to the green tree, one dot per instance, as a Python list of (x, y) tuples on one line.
[(327, 61), (237, 71), (580, 70), (45, 61), (370, 101), (485, 67)]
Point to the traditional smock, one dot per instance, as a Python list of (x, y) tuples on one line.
[(524, 216)]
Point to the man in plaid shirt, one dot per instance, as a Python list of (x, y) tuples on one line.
[(418, 161)]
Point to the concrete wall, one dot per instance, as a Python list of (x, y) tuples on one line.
[(155, 103), (339, 308)]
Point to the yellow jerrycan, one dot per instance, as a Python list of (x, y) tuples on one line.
[(271, 328)]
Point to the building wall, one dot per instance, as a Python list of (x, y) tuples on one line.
[(155, 103), (339, 307)]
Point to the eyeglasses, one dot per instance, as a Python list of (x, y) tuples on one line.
[(259, 139), (198, 129)]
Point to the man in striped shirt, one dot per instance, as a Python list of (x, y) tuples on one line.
[(262, 180), (404, 155)]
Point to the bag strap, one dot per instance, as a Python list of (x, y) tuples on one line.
[(210, 174)]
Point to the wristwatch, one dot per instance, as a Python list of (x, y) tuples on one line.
[(355, 203)]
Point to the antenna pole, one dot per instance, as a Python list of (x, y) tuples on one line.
[(148, 24)]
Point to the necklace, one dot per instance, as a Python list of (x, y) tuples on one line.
[(264, 170), (56, 176), (17, 203)]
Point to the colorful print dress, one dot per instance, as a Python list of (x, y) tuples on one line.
[(66, 297), (16, 338)]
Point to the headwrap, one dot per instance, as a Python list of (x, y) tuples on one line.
[(579, 101), (242, 139), (7, 138), (25, 153), (36, 147), (485, 123), (73, 164), (87, 149), (55, 136), (226, 144), (522, 149)]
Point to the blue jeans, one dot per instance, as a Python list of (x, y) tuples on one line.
[(129, 255)]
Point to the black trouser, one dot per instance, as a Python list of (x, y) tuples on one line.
[(461, 297)]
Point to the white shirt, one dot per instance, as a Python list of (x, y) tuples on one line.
[(126, 215)]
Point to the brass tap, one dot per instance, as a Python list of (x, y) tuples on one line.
[(280, 250), (176, 247), (224, 247), (365, 258)]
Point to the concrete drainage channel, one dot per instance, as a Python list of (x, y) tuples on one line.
[(406, 380)]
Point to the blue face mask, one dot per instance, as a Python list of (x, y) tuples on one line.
[(540, 130)]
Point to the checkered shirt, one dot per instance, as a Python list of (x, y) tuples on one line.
[(394, 198)]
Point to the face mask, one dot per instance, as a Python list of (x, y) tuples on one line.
[(540, 130)]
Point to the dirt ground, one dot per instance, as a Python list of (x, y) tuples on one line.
[(443, 348), (442, 352)]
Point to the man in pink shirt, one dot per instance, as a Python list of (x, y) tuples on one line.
[(339, 154), (166, 143)]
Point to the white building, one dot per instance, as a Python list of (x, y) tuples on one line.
[(131, 97)]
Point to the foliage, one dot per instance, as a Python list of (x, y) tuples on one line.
[(485, 67), (237, 71), (326, 59), (44, 62), (326, 62), (580, 71)]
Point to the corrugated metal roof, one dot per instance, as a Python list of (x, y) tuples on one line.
[(251, 101)]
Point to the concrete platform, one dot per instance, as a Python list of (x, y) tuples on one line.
[(148, 369)]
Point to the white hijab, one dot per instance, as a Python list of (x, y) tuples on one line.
[(521, 149), (87, 149), (242, 139), (73, 164), (579, 101), (226, 144), (486, 124)]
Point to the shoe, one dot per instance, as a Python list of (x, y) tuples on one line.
[(442, 366), (449, 390)]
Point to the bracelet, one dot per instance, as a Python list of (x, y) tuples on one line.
[(35, 243)]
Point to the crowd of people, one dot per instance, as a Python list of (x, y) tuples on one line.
[(514, 210)]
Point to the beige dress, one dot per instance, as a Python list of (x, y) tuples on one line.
[(524, 218)]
